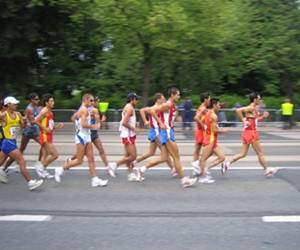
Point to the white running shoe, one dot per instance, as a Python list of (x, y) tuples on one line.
[(208, 172), (97, 182), (206, 180), (133, 177), (269, 172), (3, 176), (39, 168), (47, 175), (141, 173), (224, 167), (196, 168), (111, 170), (188, 182), (58, 173), (33, 184)]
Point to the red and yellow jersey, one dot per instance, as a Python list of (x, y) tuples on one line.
[(210, 127), (47, 122), (251, 118)]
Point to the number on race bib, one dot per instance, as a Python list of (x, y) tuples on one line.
[(51, 124), (14, 131)]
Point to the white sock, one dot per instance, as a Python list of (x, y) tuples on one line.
[(143, 169)]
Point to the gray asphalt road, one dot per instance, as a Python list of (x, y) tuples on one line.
[(158, 213)]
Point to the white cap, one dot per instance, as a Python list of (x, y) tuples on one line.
[(11, 100)]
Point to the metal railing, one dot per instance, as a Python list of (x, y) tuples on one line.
[(227, 118), (225, 115)]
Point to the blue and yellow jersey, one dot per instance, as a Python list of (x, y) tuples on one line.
[(12, 126)]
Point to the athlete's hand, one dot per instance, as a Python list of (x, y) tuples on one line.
[(147, 124), (103, 119), (225, 130), (246, 123), (48, 130), (137, 130), (59, 125), (266, 114), (162, 126), (96, 126)]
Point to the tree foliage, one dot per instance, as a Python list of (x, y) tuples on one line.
[(110, 47)]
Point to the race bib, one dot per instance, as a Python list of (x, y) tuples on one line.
[(51, 124), (14, 131)]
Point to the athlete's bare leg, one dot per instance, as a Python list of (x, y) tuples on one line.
[(91, 161), (3, 159), (130, 155), (261, 158), (149, 153), (242, 154), (18, 157), (23, 145), (99, 146), (174, 152), (220, 157), (158, 160), (80, 152), (206, 153), (197, 151), (167, 156), (50, 155)]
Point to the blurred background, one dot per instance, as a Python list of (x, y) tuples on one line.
[(111, 47)]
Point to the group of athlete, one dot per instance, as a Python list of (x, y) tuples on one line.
[(38, 124)]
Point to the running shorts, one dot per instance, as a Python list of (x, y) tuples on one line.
[(165, 135)]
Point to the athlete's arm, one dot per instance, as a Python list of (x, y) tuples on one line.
[(58, 125), (160, 108), (74, 116), (263, 116), (3, 119), (96, 115), (143, 112), (240, 112), (103, 117), (29, 115), (198, 117), (83, 114), (22, 120)]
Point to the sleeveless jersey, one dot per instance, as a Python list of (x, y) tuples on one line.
[(78, 126), (35, 110), (125, 132), (252, 121), (201, 110), (209, 126), (12, 127), (168, 117)]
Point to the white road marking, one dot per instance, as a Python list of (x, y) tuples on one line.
[(188, 158), (294, 218), (25, 217), (167, 168)]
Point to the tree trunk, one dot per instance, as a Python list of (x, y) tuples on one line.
[(146, 73)]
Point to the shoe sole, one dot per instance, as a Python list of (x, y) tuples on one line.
[(3, 179), (36, 186), (99, 185), (189, 184)]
